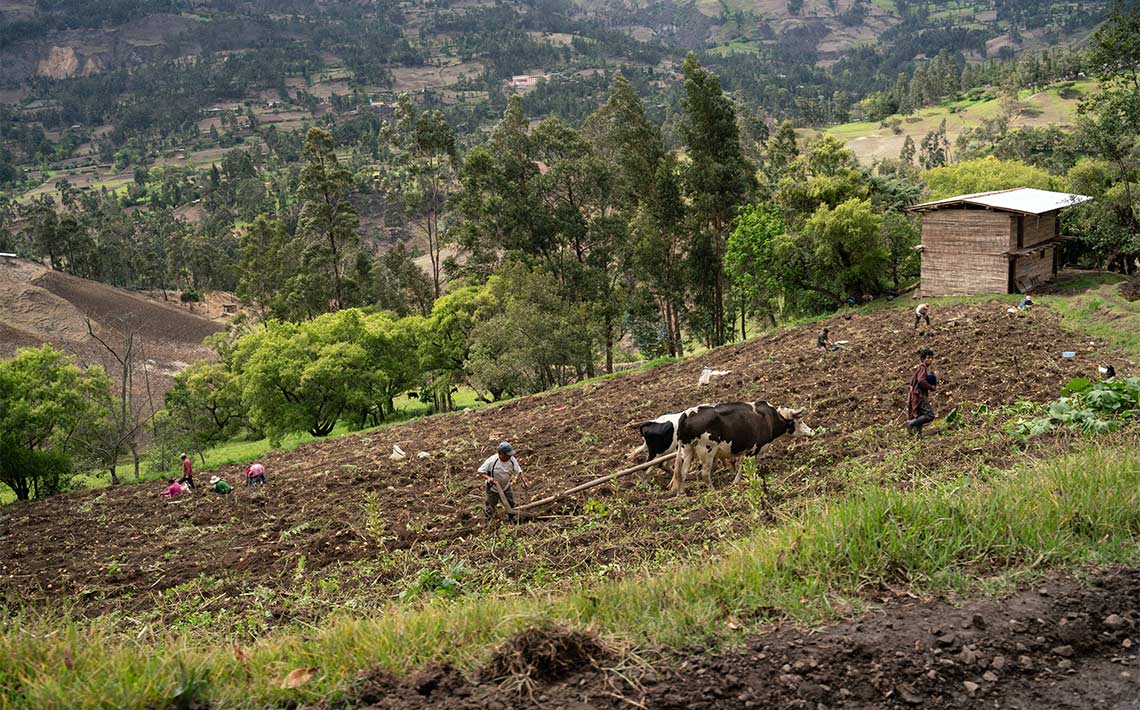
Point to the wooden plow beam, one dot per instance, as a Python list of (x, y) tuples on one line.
[(595, 482)]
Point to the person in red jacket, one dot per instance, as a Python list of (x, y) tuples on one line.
[(187, 472), (922, 383)]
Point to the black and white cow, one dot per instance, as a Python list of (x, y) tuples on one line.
[(660, 435), (730, 430)]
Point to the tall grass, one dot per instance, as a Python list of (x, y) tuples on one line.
[(1079, 510)]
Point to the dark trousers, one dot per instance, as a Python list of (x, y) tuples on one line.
[(188, 480), (919, 318), (925, 415), (493, 499)]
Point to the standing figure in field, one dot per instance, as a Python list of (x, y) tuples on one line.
[(187, 471), (922, 313), (922, 383), (497, 471)]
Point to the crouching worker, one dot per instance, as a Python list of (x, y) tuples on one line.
[(173, 490), (219, 486), (498, 470), (255, 474)]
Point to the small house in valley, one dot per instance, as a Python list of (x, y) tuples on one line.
[(991, 242)]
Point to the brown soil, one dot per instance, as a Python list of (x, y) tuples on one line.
[(1058, 645), (314, 514), (39, 306)]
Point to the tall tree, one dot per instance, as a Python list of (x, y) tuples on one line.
[(623, 136), (267, 263), (718, 179), (328, 221), (1115, 47), (423, 175)]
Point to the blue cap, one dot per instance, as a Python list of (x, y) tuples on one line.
[(506, 448)]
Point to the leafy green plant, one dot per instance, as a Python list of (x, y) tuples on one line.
[(446, 582), (1086, 406)]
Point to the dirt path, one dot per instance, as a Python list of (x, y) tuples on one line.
[(1056, 645)]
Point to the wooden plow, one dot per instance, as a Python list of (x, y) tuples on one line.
[(582, 487)]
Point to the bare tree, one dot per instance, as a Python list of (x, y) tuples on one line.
[(124, 418)]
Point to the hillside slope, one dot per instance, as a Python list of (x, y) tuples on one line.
[(877, 140), (38, 305), (340, 511)]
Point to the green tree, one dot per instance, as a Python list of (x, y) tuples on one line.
[(827, 174), (782, 152), (659, 251), (500, 198), (1115, 46), (267, 264), (838, 252), (328, 220), (44, 397), (622, 135), (717, 181), (986, 174), (935, 148), (907, 153), (422, 174), (751, 263), (445, 342), (900, 235), (203, 408), (535, 342)]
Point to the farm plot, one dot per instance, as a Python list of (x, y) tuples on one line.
[(341, 518)]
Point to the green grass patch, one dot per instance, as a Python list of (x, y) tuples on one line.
[(1093, 306), (968, 535)]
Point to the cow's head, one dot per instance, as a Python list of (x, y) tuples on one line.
[(793, 418)]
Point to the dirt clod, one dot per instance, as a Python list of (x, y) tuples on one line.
[(544, 655)]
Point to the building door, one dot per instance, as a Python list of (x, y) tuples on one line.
[(1011, 286)]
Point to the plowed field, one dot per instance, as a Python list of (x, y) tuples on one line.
[(342, 515)]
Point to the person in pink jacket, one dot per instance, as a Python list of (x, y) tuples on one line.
[(255, 474), (173, 490)]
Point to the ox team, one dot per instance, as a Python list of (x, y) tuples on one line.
[(724, 433)]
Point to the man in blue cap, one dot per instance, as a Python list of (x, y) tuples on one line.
[(498, 468)]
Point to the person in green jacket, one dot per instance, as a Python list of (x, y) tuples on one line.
[(220, 487)]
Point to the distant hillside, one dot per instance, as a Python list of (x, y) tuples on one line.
[(875, 140), (39, 306)]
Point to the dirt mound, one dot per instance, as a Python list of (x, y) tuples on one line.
[(39, 306), (1131, 289), (543, 655), (341, 510)]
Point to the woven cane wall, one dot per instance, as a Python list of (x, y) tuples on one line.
[(964, 251)]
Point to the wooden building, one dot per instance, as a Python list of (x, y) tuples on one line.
[(991, 242)]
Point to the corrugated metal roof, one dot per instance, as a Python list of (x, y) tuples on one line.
[(1024, 200)]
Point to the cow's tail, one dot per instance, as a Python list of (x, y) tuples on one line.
[(636, 453)]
